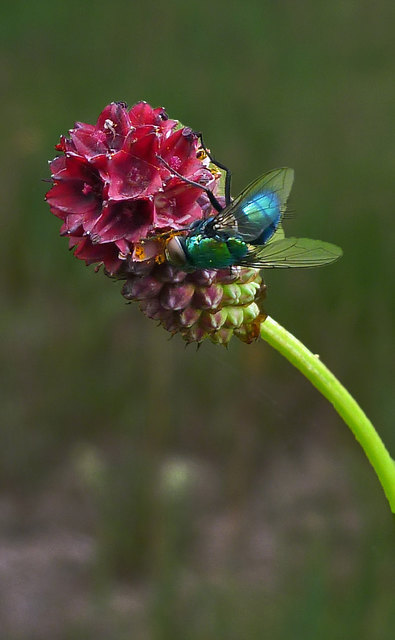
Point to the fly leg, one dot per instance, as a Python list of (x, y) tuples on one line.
[(228, 173), (209, 193)]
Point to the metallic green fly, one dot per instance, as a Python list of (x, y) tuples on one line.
[(247, 231)]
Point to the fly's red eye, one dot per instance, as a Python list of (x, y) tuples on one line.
[(175, 252)]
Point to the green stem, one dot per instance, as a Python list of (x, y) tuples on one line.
[(318, 374)]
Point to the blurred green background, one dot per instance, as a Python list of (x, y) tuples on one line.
[(150, 491)]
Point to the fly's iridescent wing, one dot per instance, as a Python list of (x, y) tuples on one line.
[(292, 252), (256, 212)]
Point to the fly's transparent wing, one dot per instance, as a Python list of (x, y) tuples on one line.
[(258, 206), (292, 252), (278, 180)]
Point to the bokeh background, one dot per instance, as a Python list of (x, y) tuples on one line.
[(150, 491)]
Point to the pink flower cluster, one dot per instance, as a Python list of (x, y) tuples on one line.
[(111, 188)]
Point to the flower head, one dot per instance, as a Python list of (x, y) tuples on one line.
[(114, 188)]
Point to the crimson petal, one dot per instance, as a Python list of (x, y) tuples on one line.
[(105, 253), (115, 123), (70, 197), (89, 143), (142, 113), (179, 151), (175, 205), (131, 177), (129, 220)]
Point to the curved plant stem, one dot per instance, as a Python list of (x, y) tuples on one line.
[(320, 376)]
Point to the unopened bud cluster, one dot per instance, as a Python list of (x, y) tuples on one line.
[(215, 303)]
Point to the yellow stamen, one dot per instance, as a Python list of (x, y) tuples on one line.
[(139, 251), (160, 258), (201, 154), (215, 172)]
